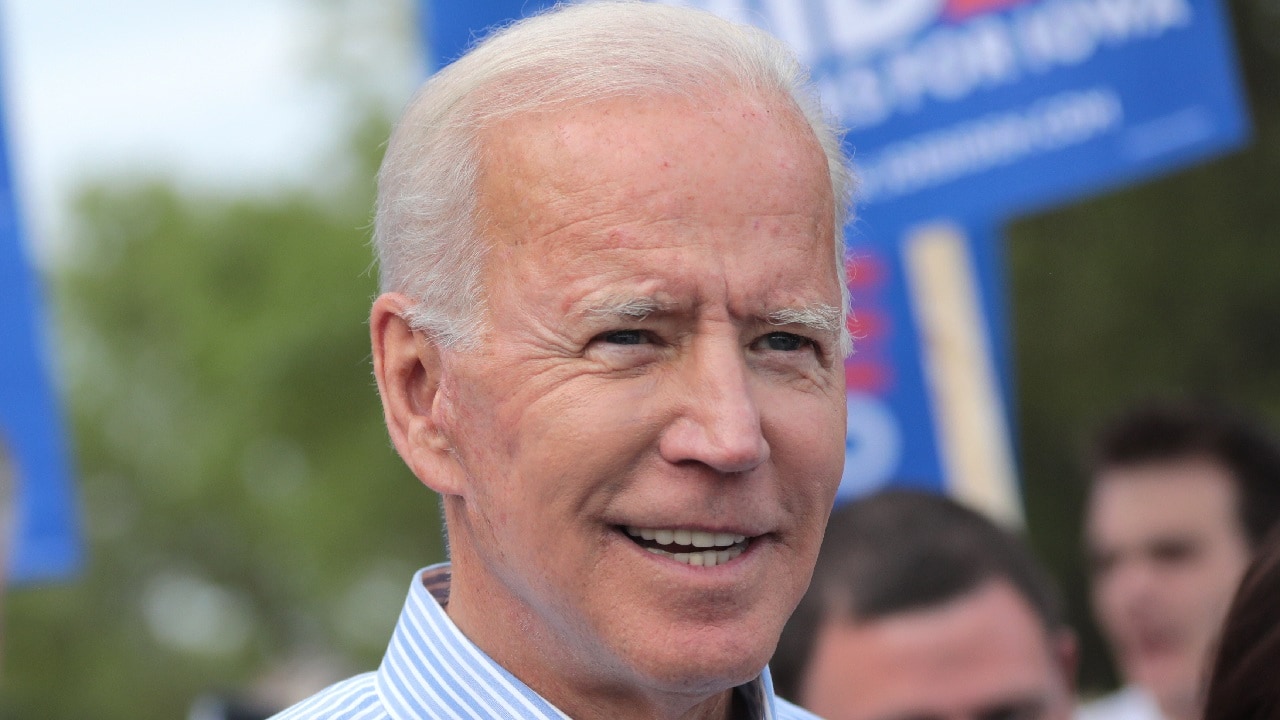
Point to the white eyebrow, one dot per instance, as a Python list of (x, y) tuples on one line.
[(818, 316), (630, 308)]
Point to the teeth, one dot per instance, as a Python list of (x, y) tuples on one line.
[(687, 538), (706, 558)]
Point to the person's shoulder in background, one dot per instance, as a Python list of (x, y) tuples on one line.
[(1127, 703)]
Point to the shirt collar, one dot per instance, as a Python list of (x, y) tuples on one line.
[(431, 664)]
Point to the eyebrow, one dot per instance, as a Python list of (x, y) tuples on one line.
[(1022, 708), (818, 316), (1017, 707), (630, 308)]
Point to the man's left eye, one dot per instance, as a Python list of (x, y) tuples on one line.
[(624, 337), (785, 342)]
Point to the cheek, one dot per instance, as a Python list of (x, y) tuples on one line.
[(1107, 603), (809, 437), (1216, 596), (807, 448), (477, 423)]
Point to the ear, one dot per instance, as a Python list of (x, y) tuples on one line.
[(1066, 651), (409, 370)]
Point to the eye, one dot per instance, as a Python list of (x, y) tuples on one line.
[(1027, 709), (785, 342), (626, 349), (624, 337), (1101, 563), (1174, 551)]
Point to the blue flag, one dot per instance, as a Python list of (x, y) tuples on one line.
[(42, 542)]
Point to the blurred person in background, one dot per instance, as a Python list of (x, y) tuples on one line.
[(611, 337), (1245, 680), (922, 609), (1181, 494)]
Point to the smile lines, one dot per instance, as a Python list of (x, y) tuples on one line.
[(685, 545)]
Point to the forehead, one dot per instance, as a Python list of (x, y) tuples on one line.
[(1135, 503), (626, 190), (987, 646), (660, 135)]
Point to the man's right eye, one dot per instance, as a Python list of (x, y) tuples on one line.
[(1174, 551), (624, 337), (1101, 563)]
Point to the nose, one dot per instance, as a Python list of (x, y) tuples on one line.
[(717, 423), (1129, 587)]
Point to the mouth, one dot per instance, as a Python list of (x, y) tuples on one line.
[(691, 547), (1154, 643)]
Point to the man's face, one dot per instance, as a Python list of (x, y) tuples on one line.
[(983, 656), (642, 392), (1167, 551)]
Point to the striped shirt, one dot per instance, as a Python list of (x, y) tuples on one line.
[(431, 670)]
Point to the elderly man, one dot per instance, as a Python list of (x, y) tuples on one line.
[(611, 338), (1182, 493), (921, 609)]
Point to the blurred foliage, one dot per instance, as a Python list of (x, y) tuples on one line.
[(245, 512), (242, 504), (247, 521), (1167, 288)]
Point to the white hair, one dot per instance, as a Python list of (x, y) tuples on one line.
[(426, 231)]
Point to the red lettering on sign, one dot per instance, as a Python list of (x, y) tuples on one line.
[(864, 270), (963, 9), (866, 325), (866, 376)]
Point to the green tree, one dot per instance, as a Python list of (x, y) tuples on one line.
[(1168, 288), (242, 502)]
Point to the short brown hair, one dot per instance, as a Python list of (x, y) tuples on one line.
[(904, 550), (1170, 430)]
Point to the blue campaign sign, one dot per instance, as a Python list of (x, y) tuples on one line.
[(34, 468), (975, 110), (960, 114), (986, 107), (996, 106), (930, 379)]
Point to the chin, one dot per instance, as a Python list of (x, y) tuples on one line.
[(1170, 681)]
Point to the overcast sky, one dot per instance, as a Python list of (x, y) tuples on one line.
[(214, 92)]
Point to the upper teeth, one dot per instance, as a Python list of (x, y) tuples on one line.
[(694, 538)]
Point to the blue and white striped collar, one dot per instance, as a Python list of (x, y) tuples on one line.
[(431, 669)]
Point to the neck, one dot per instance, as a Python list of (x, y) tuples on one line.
[(630, 706), (1180, 707)]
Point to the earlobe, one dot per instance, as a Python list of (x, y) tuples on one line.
[(1067, 650), (409, 370)]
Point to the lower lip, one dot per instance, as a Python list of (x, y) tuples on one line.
[(1154, 648)]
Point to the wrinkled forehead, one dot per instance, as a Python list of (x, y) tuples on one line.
[(663, 140), (646, 188), (495, 113)]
